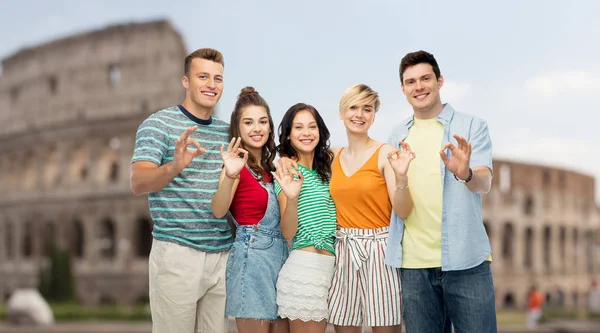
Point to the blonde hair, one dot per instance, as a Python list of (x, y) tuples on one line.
[(359, 94)]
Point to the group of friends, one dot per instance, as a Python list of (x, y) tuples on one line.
[(290, 236)]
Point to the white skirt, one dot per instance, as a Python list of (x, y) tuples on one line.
[(303, 286)]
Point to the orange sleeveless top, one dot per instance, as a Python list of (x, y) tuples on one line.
[(361, 200)]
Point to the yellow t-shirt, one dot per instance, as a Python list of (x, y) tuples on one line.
[(422, 242)]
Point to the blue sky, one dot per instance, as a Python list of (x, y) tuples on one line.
[(530, 68)]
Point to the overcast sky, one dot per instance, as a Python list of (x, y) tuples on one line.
[(530, 68)]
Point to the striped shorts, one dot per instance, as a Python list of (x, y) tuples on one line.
[(364, 290)]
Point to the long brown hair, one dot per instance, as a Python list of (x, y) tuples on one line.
[(323, 155), (247, 97)]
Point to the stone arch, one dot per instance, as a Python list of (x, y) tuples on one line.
[(507, 241), (562, 247), (509, 301), (547, 246), (47, 237), (77, 239), (589, 251), (528, 246), (528, 206), (144, 236), (51, 173), (107, 239), (29, 171), (78, 166), (8, 239), (109, 163), (27, 245)]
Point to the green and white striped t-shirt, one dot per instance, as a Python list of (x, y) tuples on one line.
[(316, 213), (181, 211)]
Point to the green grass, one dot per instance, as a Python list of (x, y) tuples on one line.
[(76, 312)]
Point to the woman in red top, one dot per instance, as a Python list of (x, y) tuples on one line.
[(246, 191)]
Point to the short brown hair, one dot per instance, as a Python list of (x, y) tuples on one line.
[(206, 54), (419, 57)]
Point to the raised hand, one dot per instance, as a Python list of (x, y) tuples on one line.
[(289, 164), (231, 158), (458, 162), (290, 185), (400, 159), (184, 156)]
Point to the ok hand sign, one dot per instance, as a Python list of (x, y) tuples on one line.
[(231, 158), (183, 156), (458, 162), (400, 159)]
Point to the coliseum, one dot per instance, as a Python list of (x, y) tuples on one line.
[(70, 109)]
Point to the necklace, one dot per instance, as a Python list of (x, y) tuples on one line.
[(255, 175)]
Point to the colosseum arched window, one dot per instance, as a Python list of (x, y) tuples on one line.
[(109, 163), (528, 206), (507, 241), (144, 236), (51, 167), (547, 246), (575, 250), (53, 85), (8, 239), (589, 251), (27, 237), (509, 301), (562, 240), (76, 238), (30, 171), (78, 169), (114, 75), (47, 237), (528, 246), (107, 239)]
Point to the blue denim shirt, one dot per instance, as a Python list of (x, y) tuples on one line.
[(464, 241)]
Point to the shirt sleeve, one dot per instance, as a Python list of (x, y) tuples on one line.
[(277, 187), (481, 145), (151, 142)]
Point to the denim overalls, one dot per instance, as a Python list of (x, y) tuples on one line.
[(255, 259)]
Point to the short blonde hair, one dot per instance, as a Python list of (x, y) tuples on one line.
[(359, 94)]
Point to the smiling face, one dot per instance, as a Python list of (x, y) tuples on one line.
[(304, 135), (421, 88), (358, 118), (204, 83), (254, 127)]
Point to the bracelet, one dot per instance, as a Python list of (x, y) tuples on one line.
[(234, 178), (468, 178), (402, 188)]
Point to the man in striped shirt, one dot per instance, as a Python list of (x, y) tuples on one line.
[(177, 161)]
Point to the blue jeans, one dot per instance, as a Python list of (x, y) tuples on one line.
[(434, 301)]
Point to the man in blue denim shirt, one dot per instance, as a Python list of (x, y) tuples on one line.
[(442, 247)]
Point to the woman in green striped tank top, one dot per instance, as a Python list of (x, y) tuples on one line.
[(307, 219)]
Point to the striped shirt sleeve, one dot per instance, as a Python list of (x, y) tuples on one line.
[(277, 187), (151, 142)]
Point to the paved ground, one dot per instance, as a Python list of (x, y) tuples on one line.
[(144, 327)]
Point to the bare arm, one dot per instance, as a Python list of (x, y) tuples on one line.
[(148, 177), (289, 216), (482, 180), (396, 182), (230, 176), (222, 200), (291, 184)]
